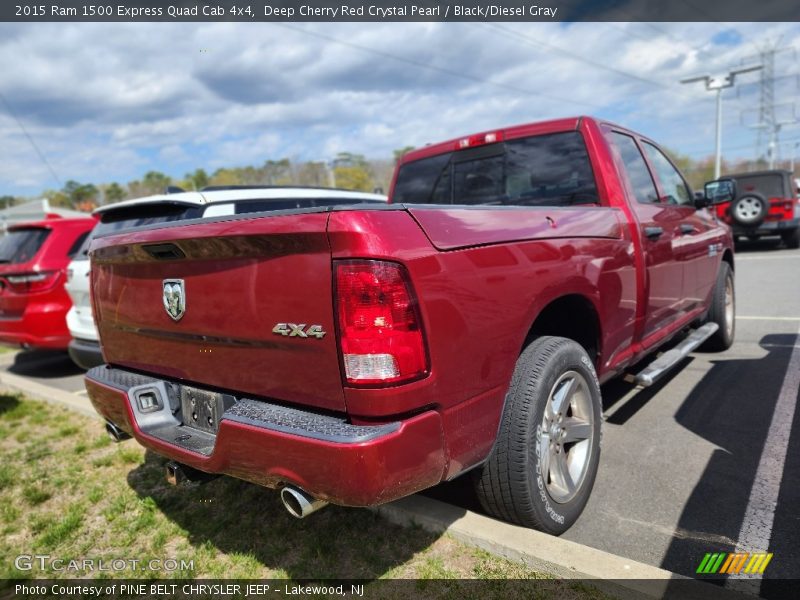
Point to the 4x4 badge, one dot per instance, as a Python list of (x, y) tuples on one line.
[(174, 298)]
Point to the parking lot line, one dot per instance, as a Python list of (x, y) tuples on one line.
[(757, 318), (759, 516), (779, 257)]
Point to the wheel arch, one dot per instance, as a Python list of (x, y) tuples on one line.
[(727, 257), (572, 316)]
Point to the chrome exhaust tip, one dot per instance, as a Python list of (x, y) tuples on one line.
[(115, 433), (299, 503)]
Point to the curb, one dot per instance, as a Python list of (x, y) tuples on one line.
[(616, 575), (38, 391), (562, 558), (613, 574)]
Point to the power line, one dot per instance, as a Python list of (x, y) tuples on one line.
[(30, 139), (571, 55), (767, 121), (435, 68)]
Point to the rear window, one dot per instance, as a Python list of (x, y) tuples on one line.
[(21, 245), (770, 186), (544, 170)]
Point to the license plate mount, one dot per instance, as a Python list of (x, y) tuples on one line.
[(203, 409)]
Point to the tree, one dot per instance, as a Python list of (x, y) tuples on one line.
[(114, 193), (276, 172), (6, 201), (57, 198), (156, 182), (77, 193), (353, 178), (153, 182), (314, 174), (225, 177), (352, 172), (197, 180), (398, 154), (348, 159)]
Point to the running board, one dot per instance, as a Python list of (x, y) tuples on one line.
[(656, 369)]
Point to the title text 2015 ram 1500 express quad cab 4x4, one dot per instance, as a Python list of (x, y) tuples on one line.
[(358, 354)]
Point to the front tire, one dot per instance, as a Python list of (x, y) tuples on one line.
[(542, 468), (722, 311)]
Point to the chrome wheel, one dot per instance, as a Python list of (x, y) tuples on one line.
[(565, 437), (748, 209), (730, 312)]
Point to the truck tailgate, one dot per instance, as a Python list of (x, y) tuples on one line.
[(238, 279)]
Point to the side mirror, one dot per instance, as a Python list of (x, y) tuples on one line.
[(717, 192)]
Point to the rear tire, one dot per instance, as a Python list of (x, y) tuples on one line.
[(722, 311), (542, 468), (791, 238)]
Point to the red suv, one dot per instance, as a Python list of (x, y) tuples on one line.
[(766, 203), (33, 263)]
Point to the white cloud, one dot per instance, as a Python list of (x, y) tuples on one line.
[(111, 101)]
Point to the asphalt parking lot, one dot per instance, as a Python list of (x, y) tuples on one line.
[(707, 460)]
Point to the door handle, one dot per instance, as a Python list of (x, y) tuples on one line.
[(687, 229), (653, 232)]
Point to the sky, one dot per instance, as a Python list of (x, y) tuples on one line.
[(107, 102)]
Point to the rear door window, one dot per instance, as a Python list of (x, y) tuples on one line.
[(543, 170), (21, 245)]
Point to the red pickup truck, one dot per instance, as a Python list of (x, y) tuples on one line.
[(358, 354)]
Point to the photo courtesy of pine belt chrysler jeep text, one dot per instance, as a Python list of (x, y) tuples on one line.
[(357, 354)]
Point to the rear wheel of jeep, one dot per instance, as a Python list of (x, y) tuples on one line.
[(544, 462)]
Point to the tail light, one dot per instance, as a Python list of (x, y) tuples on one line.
[(30, 283), (380, 329)]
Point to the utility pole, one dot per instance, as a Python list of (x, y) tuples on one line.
[(768, 124), (717, 83)]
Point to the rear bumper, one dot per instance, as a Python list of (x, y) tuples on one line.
[(85, 353), (273, 445), (42, 325), (767, 228), (16, 333)]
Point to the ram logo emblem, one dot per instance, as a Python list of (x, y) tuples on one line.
[(174, 298)]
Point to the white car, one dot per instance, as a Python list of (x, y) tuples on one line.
[(84, 349), (219, 202)]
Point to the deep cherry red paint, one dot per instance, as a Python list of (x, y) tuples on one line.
[(481, 277)]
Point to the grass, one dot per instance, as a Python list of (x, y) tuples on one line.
[(67, 492)]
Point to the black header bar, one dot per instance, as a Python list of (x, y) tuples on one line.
[(417, 10)]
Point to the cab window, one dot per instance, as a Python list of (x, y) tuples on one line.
[(673, 184)]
